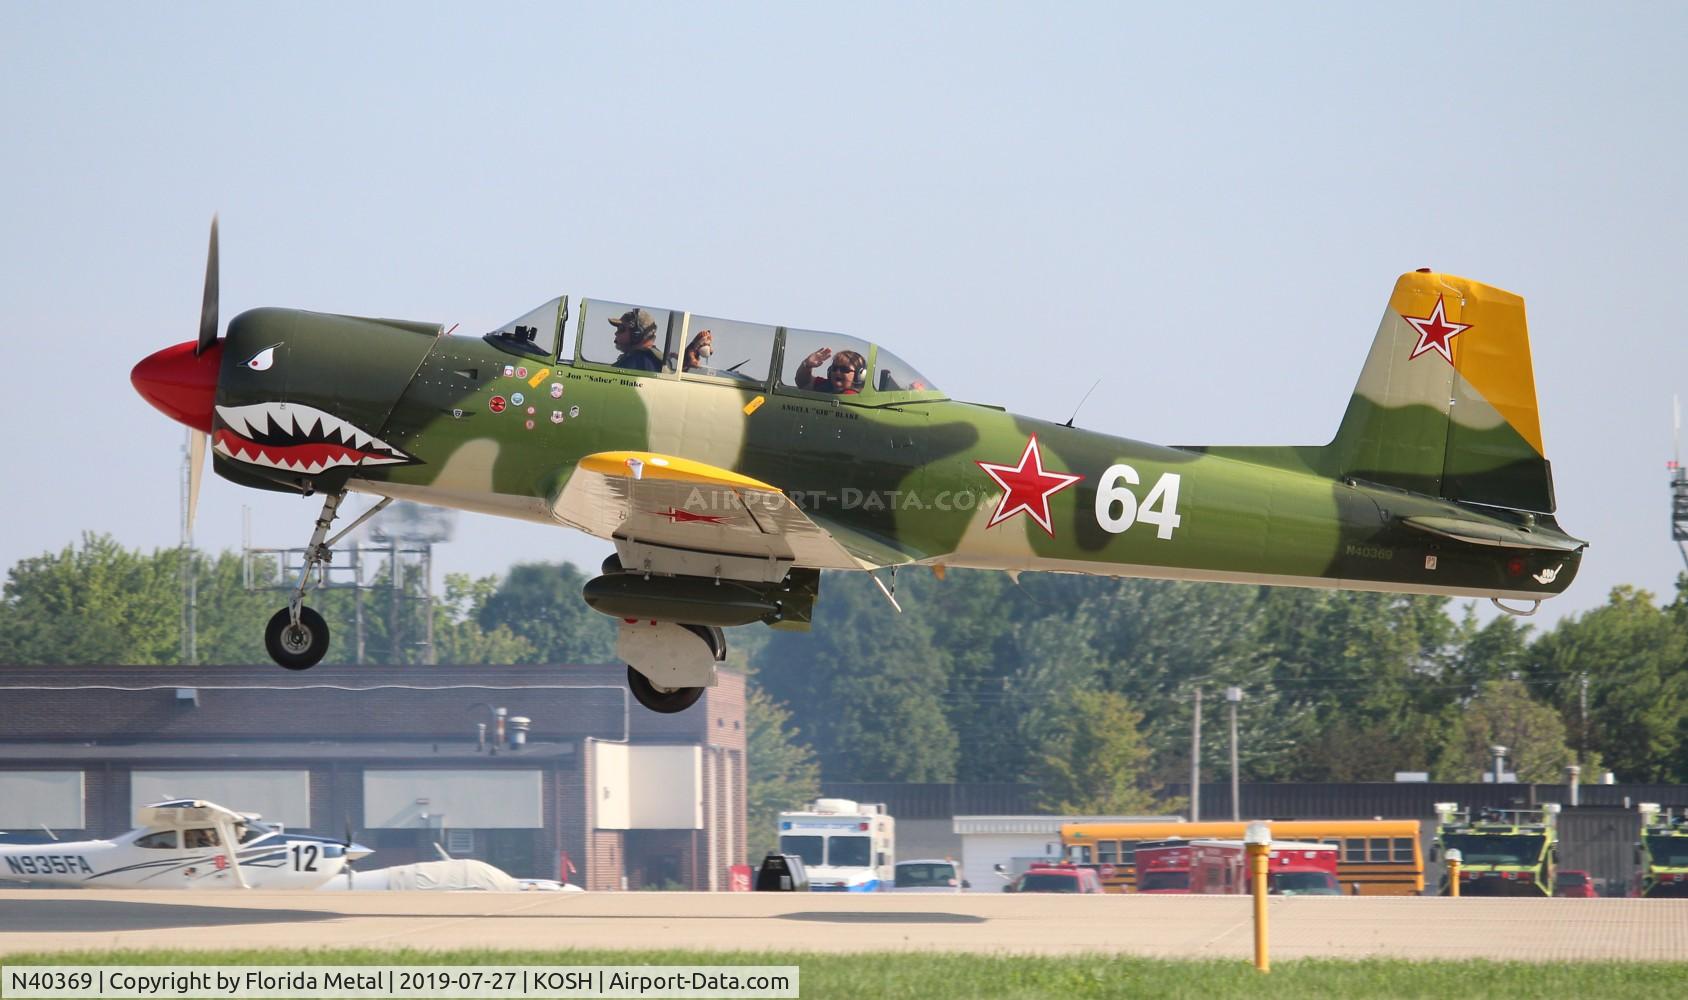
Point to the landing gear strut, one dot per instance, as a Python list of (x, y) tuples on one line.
[(297, 636), (670, 664)]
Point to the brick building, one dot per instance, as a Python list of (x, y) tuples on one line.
[(628, 797)]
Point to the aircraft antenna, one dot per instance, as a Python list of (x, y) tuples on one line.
[(1086, 396)]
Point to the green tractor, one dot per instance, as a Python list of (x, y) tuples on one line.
[(1662, 854), (1503, 852)]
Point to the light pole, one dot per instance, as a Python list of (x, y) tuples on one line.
[(1233, 696), (1196, 761)]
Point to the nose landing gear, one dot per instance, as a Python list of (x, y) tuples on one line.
[(296, 643), (297, 636)]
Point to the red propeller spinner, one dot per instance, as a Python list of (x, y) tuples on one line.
[(181, 381)]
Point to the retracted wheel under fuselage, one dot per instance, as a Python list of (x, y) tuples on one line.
[(668, 663)]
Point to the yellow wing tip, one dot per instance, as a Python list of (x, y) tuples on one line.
[(670, 468)]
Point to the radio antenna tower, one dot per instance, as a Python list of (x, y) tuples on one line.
[(1678, 483), (190, 580)]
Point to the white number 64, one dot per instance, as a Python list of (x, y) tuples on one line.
[(1159, 508)]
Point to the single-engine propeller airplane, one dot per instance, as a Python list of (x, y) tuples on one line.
[(186, 844), (730, 462)]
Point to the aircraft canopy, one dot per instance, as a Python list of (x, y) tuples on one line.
[(691, 346)]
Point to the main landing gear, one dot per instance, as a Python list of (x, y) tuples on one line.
[(669, 664), (297, 636)]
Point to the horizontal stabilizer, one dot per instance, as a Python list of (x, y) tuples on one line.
[(1499, 535)]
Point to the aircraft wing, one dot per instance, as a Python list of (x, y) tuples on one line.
[(688, 517), (869, 550)]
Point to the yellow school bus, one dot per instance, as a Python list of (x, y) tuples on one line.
[(1375, 857)]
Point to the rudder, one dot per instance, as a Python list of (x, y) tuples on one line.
[(1446, 402)]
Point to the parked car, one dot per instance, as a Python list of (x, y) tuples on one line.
[(932, 875), (1575, 884), (782, 873), (1063, 877)]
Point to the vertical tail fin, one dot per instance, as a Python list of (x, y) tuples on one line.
[(1446, 403)]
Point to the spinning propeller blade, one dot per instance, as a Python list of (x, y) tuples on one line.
[(197, 440), (208, 309)]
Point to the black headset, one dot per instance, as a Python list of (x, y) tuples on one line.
[(859, 367)]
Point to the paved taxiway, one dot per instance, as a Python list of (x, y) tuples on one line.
[(1171, 926)]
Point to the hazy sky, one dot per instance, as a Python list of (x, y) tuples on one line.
[(1208, 205)]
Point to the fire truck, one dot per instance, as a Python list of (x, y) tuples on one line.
[(1163, 867), (1503, 852), (1662, 854), (1292, 869)]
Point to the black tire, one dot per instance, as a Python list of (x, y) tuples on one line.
[(664, 700), (712, 637), (296, 648)]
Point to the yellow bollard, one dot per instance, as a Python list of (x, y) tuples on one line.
[(1258, 837), (1454, 859)]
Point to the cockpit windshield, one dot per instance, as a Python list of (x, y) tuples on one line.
[(893, 374), (727, 348), (845, 366), (626, 335), (535, 333), (649, 340), (825, 362)]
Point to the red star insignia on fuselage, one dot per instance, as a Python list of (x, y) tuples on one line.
[(677, 516), (1434, 332), (1027, 487)]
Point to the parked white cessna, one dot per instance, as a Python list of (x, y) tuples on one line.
[(186, 844)]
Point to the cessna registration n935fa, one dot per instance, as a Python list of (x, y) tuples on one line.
[(186, 844), (731, 462)]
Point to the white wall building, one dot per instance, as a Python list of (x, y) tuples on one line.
[(1015, 841)]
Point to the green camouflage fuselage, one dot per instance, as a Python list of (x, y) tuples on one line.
[(899, 478)]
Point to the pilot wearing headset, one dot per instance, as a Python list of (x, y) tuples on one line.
[(845, 376)]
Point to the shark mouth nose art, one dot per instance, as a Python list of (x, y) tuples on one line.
[(297, 438)]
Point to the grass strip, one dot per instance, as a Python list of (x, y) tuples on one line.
[(941, 975)]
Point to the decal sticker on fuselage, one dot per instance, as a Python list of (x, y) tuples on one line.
[(49, 864), (297, 438), (1434, 332), (1027, 487), (264, 360)]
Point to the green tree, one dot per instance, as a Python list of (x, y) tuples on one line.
[(1091, 760), (458, 634), (867, 684), (93, 603), (1633, 657), (1504, 714), (780, 771), (229, 619), (973, 617), (1495, 651), (541, 603), (1362, 675)]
